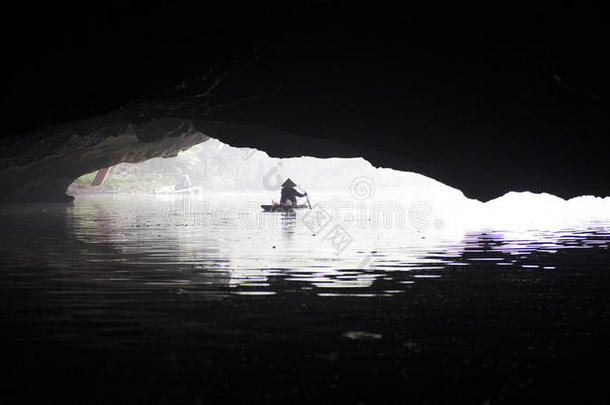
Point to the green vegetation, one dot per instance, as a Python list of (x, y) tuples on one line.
[(217, 167), (211, 165)]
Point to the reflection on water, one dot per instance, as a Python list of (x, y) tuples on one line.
[(112, 271), (127, 248)]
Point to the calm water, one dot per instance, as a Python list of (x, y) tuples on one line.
[(146, 300)]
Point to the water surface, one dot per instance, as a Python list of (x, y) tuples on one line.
[(131, 298)]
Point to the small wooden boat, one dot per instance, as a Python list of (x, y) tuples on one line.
[(282, 207)]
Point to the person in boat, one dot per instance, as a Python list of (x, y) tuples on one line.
[(289, 194), (185, 183)]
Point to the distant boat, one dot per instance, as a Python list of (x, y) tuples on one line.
[(283, 207), (172, 190), (184, 186)]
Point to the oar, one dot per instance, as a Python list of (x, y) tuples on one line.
[(307, 198)]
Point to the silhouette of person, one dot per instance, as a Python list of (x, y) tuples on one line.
[(289, 194)]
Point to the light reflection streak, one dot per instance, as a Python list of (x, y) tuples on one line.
[(122, 244)]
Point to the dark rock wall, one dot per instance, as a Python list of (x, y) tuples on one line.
[(40, 167), (484, 100)]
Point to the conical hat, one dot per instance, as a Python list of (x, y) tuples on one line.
[(289, 183)]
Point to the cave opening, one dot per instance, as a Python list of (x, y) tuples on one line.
[(218, 171)]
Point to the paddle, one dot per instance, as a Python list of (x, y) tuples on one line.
[(307, 198)]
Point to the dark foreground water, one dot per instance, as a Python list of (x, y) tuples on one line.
[(122, 301)]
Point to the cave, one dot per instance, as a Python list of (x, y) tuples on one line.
[(443, 237), (485, 114), (483, 162)]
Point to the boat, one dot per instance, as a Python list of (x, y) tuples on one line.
[(283, 207), (170, 190), (276, 207), (183, 187)]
